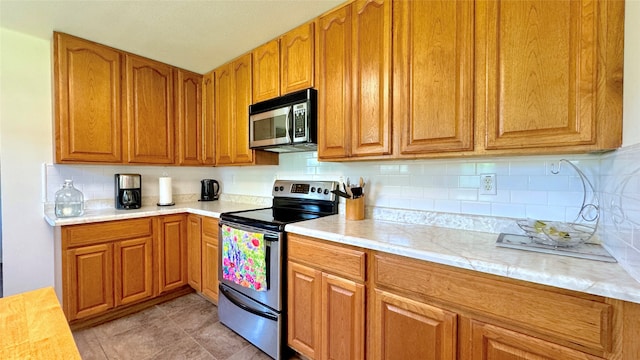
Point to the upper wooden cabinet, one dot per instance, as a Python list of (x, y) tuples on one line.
[(284, 65), (149, 120), (232, 97), (549, 74), (297, 59), (433, 76), (189, 101), (208, 122), (353, 78), (266, 71), (88, 104)]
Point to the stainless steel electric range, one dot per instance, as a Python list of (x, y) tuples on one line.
[(252, 261)]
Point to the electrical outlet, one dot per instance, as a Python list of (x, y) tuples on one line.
[(487, 184)]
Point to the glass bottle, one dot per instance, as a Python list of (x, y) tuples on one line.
[(69, 201)]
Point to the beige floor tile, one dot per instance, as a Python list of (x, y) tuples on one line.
[(88, 345), (142, 341), (221, 342), (185, 349)]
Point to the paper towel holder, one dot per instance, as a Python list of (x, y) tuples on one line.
[(164, 185)]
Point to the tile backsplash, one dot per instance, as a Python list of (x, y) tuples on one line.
[(526, 187)]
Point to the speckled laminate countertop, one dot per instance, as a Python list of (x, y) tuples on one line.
[(472, 250)]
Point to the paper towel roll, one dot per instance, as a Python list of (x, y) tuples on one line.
[(165, 191)]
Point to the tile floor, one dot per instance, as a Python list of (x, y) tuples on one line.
[(183, 328)]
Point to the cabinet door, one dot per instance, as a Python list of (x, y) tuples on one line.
[(297, 59), (371, 102), (210, 266), (189, 115), (304, 292), (342, 318), (223, 110), (241, 73), (150, 118), (89, 280), (333, 77), (133, 269), (172, 253), (266, 71), (88, 101), (433, 76), (490, 342), (208, 128), (537, 77), (407, 329), (194, 251)]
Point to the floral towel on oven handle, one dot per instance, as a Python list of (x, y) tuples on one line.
[(244, 258)]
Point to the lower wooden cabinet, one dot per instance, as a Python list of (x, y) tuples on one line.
[(133, 267), (202, 249), (210, 258), (89, 281), (106, 265), (172, 252), (406, 329), (325, 312)]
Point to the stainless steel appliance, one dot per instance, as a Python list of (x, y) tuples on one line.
[(285, 124), (128, 191), (259, 314), (210, 190)]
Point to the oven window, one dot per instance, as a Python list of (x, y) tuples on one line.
[(270, 128)]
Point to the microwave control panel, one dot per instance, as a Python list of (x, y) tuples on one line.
[(300, 121)]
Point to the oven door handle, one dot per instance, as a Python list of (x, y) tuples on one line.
[(226, 293)]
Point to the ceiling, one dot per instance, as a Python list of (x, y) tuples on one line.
[(196, 35)]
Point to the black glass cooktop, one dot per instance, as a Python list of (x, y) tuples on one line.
[(270, 218)]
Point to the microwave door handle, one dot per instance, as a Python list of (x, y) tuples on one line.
[(290, 121)]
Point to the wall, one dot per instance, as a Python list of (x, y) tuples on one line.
[(25, 143)]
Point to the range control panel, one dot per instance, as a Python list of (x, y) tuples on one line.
[(320, 190)]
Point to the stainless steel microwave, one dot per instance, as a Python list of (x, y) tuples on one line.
[(285, 124)]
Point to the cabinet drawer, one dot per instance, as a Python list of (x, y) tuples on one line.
[(580, 320), (85, 234), (210, 227), (342, 260)]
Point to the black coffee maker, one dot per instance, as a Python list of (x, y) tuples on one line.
[(210, 190), (128, 191)]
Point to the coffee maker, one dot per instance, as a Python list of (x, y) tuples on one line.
[(128, 191), (210, 190)]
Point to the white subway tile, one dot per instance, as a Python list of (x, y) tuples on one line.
[(461, 168), (475, 208), (450, 206), (548, 183), (508, 210), (463, 194), (529, 197)]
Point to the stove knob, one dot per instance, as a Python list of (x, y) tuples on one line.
[(313, 189), (281, 188), (319, 190), (275, 188), (326, 191)]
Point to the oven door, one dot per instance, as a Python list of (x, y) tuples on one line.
[(270, 128), (272, 296)]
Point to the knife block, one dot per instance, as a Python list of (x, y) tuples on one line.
[(355, 209)]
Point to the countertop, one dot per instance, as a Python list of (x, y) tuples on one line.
[(33, 326), (464, 249)]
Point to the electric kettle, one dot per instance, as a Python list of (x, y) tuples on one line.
[(210, 190)]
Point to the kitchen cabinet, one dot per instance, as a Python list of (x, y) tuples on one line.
[(285, 64), (208, 128), (194, 251), (433, 76), (325, 311), (150, 125), (232, 97), (88, 105), (353, 79), (203, 255), (105, 265), (190, 136), (406, 329), (266, 71), (297, 59), (172, 252), (549, 75), (210, 258)]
